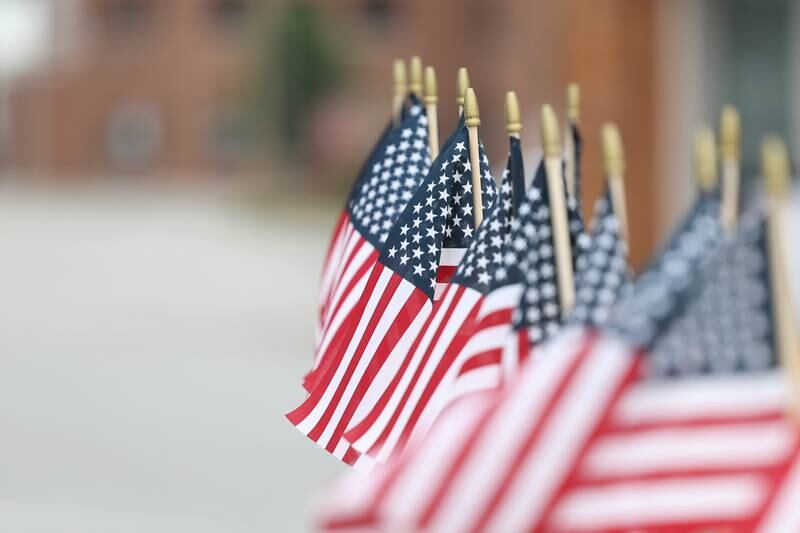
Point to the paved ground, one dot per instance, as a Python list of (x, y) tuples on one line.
[(149, 345)]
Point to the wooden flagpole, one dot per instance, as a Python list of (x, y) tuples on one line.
[(551, 143), (400, 90), (513, 120), (775, 168), (705, 160), (415, 76), (730, 138), (614, 163), (472, 119), (573, 115), (462, 83), (430, 99)]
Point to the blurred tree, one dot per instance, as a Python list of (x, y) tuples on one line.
[(305, 66)]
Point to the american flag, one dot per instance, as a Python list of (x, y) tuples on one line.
[(585, 440), (464, 356), (398, 396), (601, 276), (416, 261), (396, 169)]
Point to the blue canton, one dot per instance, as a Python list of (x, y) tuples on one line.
[(727, 326), (530, 256), (484, 257), (438, 216), (663, 293), (601, 274), (396, 172)]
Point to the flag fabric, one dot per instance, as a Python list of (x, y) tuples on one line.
[(577, 143), (467, 358), (585, 430), (601, 276), (398, 396), (416, 261), (395, 172)]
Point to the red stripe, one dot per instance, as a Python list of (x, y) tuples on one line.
[(340, 274), (450, 355), (350, 456), (776, 484), (362, 427), (445, 273), (458, 462), (336, 235), (368, 263), (374, 320), (334, 264), (524, 348), (363, 271), (459, 291), (303, 410), (604, 423), (411, 308), (489, 357), (534, 432)]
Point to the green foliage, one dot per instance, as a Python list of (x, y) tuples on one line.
[(306, 66)]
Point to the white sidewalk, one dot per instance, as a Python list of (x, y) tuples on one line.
[(149, 347)]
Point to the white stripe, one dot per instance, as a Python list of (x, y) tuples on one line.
[(501, 299), (361, 257), (461, 309), (439, 291), (364, 464), (352, 238), (660, 502), (678, 449), (451, 256), (366, 441), (341, 449), (486, 339), (332, 264), (314, 416), (784, 512), (386, 320), (338, 319), (576, 414), (702, 397), (497, 445), (423, 474)]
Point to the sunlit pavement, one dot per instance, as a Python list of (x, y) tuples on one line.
[(149, 346)]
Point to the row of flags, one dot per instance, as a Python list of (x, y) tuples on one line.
[(487, 362)]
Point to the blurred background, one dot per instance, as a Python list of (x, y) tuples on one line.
[(169, 175)]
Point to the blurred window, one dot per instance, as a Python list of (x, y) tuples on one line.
[(227, 139), (229, 15), (128, 17), (133, 135), (379, 11)]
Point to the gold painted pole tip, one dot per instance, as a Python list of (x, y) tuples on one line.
[(573, 102), (399, 76), (730, 133), (551, 142), (431, 95), (513, 120), (705, 159), (462, 83), (613, 154), (415, 75), (775, 165), (472, 116)]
